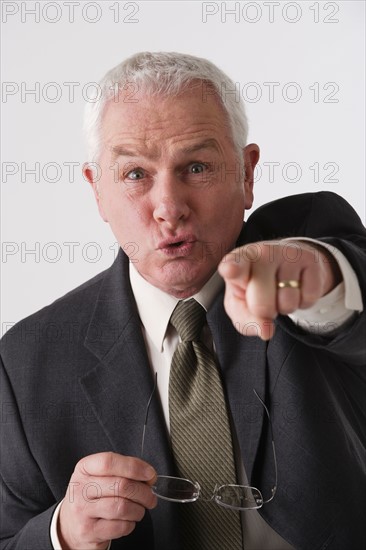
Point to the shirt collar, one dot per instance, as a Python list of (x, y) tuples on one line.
[(150, 300)]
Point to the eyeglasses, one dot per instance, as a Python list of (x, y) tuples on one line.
[(234, 497)]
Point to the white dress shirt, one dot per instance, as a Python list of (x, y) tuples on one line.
[(161, 340)]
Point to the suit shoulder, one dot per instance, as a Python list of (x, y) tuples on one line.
[(90, 286), (315, 215)]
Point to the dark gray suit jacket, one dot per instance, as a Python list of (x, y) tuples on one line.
[(76, 380)]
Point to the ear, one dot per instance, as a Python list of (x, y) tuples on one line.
[(251, 157), (93, 178)]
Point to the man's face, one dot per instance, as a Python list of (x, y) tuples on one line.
[(171, 186)]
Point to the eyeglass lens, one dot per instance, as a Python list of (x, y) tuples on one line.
[(232, 496), (239, 496), (176, 489)]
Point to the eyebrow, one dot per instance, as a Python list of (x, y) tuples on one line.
[(126, 151), (206, 144)]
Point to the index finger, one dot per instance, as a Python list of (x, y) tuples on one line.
[(114, 464), (235, 268)]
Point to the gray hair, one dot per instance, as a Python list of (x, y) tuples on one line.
[(167, 74)]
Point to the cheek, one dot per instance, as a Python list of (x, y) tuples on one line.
[(128, 217), (227, 209), (228, 221)]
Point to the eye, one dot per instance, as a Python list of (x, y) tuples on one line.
[(197, 167), (135, 174)]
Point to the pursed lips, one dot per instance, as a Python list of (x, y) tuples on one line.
[(181, 245)]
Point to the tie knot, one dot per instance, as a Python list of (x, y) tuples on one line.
[(188, 319)]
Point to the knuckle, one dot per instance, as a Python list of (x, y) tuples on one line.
[(233, 256), (253, 252), (132, 467), (101, 462), (128, 487), (121, 508), (107, 461)]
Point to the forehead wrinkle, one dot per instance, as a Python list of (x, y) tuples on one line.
[(155, 141), (134, 150), (199, 136), (133, 145)]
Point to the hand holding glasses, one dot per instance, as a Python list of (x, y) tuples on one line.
[(234, 497)]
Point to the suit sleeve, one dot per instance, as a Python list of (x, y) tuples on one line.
[(27, 503), (327, 217)]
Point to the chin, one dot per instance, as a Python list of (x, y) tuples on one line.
[(182, 281)]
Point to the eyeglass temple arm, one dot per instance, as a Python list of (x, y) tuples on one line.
[(273, 447), (147, 413)]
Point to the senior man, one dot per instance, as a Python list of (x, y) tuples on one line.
[(210, 394)]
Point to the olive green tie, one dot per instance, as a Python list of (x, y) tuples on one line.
[(200, 434)]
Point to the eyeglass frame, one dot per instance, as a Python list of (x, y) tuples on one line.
[(215, 496)]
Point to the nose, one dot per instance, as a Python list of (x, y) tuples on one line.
[(170, 200)]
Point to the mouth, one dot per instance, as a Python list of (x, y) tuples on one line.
[(179, 246)]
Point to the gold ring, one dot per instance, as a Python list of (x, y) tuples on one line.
[(291, 283)]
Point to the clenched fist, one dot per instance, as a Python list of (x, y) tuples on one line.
[(268, 278)]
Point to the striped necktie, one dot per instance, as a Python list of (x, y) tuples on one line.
[(200, 434)]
